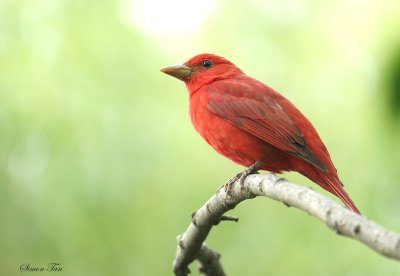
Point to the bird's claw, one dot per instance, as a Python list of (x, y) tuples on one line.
[(229, 185), (241, 177)]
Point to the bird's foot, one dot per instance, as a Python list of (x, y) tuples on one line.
[(242, 176), (228, 185)]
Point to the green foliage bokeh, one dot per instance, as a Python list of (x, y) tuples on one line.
[(100, 168)]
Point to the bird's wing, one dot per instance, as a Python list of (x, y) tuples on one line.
[(259, 115)]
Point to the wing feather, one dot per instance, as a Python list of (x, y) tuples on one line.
[(260, 115)]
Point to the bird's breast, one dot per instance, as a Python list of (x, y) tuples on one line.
[(226, 138)]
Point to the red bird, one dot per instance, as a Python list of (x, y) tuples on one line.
[(252, 124)]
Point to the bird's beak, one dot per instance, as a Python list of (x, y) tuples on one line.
[(178, 71)]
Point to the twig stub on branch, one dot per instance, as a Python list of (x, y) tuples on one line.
[(335, 216)]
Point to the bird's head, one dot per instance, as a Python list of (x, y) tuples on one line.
[(202, 69)]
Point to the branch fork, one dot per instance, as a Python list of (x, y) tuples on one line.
[(338, 218)]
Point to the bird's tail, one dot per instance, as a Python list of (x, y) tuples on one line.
[(336, 187)]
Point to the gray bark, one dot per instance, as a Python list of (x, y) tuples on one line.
[(338, 218)]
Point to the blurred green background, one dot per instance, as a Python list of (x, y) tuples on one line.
[(100, 167)]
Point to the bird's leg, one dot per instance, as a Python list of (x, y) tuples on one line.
[(242, 176)]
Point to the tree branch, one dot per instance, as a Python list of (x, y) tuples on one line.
[(337, 217)]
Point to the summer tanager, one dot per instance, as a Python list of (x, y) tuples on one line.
[(252, 124)]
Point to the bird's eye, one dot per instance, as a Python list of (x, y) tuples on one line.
[(206, 63)]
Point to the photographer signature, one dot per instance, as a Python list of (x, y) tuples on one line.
[(51, 267)]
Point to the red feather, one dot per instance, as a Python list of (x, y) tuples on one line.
[(247, 121)]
